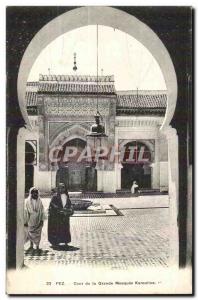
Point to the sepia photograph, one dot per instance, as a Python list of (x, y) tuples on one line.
[(99, 150)]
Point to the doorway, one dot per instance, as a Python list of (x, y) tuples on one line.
[(30, 158), (135, 172), (136, 165), (77, 176)]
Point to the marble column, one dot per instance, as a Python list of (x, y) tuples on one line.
[(173, 187), (41, 149), (156, 167), (118, 167), (100, 170), (106, 180), (20, 197), (46, 144)]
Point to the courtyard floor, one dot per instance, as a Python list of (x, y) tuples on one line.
[(136, 235)]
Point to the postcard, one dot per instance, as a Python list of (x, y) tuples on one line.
[(99, 150)]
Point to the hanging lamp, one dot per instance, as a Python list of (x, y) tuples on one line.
[(97, 136), (75, 66)]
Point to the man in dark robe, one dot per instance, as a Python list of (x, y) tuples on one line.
[(60, 210)]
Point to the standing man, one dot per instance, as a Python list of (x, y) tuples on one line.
[(60, 210), (33, 218)]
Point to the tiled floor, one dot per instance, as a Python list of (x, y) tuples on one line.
[(138, 238)]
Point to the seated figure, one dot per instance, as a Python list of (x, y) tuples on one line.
[(134, 188)]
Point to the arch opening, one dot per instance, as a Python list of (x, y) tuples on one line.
[(77, 176), (100, 15), (125, 23), (136, 165)]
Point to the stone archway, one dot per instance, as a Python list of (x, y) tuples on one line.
[(138, 168), (149, 144), (117, 19), (107, 16), (77, 175)]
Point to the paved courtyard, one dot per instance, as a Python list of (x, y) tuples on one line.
[(137, 236)]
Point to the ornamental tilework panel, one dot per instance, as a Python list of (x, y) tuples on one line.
[(75, 106), (63, 116)]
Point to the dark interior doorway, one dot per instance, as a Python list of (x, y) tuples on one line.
[(77, 176), (138, 168), (29, 166), (135, 172)]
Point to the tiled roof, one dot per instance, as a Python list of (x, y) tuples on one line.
[(31, 98), (142, 101), (76, 78), (128, 102), (75, 88), (32, 83)]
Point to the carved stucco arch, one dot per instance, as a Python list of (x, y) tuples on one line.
[(75, 131), (148, 143), (60, 131), (107, 16)]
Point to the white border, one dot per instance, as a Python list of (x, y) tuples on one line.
[(3, 5)]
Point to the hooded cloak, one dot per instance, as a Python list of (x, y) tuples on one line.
[(59, 221), (33, 215)]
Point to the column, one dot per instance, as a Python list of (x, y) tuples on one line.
[(118, 167), (156, 167), (41, 148), (20, 197), (53, 179), (36, 176), (173, 186), (46, 144), (100, 181), (100, 169), (106, 180)]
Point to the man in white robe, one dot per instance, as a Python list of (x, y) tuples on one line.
[(134, 188), (33, 218)]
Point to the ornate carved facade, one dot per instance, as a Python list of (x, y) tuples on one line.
[(62, 110)]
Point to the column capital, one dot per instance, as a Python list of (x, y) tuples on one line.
[(169, 132), (119, 165), (23, 131)]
